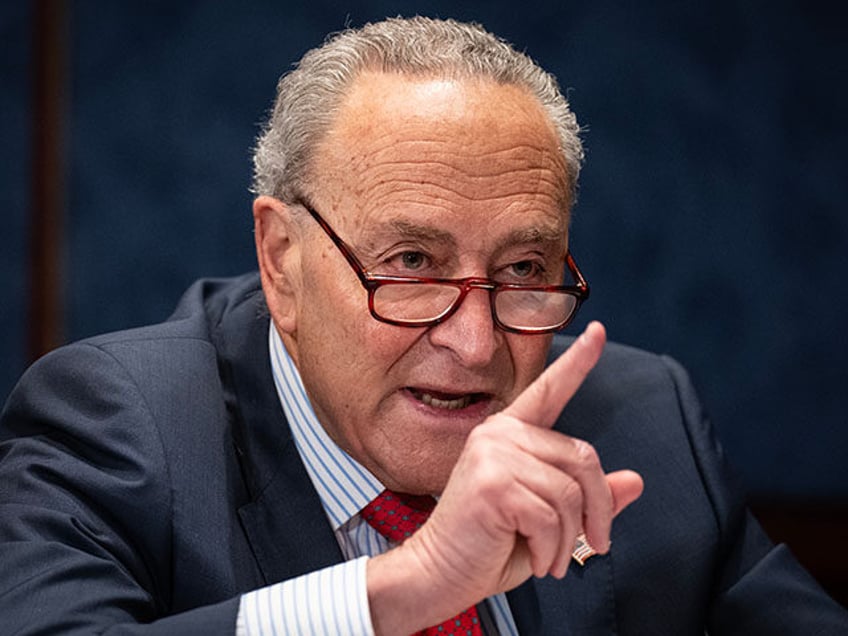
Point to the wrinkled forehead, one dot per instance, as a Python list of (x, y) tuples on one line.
[(464, 138)]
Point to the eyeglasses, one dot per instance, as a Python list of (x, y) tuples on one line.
[(423, 302)]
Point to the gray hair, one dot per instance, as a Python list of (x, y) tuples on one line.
[(309, 96)]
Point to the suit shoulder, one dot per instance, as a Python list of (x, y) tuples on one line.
[(176, 351), (632, 385), (622, 361), (199, 312)]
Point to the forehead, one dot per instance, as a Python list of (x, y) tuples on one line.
[(438, 103), (474, 151)]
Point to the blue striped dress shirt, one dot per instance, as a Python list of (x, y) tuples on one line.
[(333, 600)]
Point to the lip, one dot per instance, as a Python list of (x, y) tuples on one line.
[(450, 404)]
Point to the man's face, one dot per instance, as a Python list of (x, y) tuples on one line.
[(424, 177)]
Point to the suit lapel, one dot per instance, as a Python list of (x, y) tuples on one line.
[(286, 525), (283, 519)]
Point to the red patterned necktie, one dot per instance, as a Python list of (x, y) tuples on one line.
[(396, 516)]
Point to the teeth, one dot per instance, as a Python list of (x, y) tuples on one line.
[(451, 405)]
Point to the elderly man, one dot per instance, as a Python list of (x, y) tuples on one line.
[(364, 438)]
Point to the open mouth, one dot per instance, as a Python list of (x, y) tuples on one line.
[(446, 401)]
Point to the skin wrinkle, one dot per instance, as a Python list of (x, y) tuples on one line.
[(444, 174), (510, 130), (439, 180), (553, 237), (441, 176), (445, 199), (379, 215), (543, 240), (516, 154), (381, 188), (404, 229)]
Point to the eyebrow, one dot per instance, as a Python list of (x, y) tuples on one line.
[(424, 232), (533, 235), (409, 230)]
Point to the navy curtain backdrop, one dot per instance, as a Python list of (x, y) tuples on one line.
[(711, 222)]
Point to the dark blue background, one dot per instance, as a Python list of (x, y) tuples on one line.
[(711, 222)]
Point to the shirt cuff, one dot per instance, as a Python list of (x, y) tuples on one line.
[(325, 602)]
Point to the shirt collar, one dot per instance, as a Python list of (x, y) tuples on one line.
[(343, 484)]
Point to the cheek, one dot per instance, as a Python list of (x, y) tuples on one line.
[(529, 356), (330, 303), (334, 314), (346, 343)]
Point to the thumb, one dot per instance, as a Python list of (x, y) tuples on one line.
[(626, 487)]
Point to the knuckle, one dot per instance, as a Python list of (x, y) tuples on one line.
[(586, 455), (484, 437), (572, 496), (478, 434), (548, 517)]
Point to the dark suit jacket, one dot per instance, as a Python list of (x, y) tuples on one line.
[(148, 478)]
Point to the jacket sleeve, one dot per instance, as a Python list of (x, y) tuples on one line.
[(759, 588), (85, 507)]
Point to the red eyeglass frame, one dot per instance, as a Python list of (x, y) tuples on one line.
[(372, 282)]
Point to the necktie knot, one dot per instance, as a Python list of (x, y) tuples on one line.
[(397, 516)]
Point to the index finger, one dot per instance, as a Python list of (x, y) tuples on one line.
[(541, 402)]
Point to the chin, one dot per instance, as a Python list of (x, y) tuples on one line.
[(422, 475)]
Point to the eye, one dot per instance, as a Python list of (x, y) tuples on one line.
[(413, 260), (408, 262), (526, 271)]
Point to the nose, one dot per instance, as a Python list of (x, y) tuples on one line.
[(470, 333)]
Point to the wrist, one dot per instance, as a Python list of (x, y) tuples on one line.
[(404, 596)]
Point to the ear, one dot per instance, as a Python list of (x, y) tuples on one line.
[(278, 244)]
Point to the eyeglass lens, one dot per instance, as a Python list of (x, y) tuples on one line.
[(516, 308)]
